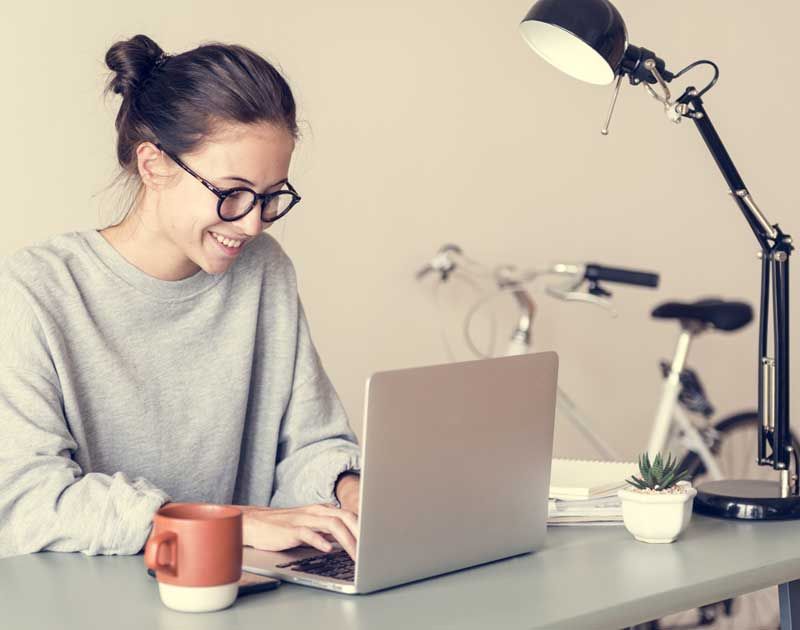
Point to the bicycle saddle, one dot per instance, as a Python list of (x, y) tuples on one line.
[(720, 314)]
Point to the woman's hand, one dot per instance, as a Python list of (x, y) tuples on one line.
[(276, 529)]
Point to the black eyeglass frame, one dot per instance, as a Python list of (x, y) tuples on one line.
[(224, 193)]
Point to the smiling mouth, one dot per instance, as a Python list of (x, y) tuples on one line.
[(227, 242)]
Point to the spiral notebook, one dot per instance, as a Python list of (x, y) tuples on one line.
[(575, 479)]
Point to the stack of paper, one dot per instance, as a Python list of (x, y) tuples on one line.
[(600, 511), (585, 492)]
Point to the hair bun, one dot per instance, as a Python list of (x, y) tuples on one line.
[(132, 61)]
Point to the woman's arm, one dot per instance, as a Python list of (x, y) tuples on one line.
[(46, 500), (316, 444), (317, 463)]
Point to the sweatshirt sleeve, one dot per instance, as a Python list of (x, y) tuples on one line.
[(46, 500), (316, 443)]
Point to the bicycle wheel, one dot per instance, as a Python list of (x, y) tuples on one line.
[(736, 453), (736, 450)]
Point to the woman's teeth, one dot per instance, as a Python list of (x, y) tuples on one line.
[(226, 241)]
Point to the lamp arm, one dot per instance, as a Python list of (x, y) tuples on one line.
[(693, 108), (776, 247)]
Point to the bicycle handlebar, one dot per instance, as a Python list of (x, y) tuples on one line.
[(623, 276), (450, 257)]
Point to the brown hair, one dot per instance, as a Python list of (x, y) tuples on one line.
[(179, 100)]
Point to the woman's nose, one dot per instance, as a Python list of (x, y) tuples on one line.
[(251, 223)]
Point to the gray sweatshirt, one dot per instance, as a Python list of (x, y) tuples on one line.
[(120, 392)]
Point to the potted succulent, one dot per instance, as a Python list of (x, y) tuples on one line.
[(658, 506)]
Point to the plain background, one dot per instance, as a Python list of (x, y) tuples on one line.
[(432, 122)]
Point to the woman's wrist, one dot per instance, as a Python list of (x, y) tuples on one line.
[(246, 511), (346, 490)]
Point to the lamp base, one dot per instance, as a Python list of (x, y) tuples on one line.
[(746, 499)]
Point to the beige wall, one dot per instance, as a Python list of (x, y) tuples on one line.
[(431, 122)]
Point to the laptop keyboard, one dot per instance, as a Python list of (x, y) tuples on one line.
[(337, 565)]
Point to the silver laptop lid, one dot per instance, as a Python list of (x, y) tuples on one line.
[(456, 466)]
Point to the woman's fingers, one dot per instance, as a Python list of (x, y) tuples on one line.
[(333, 526), (348, 518), (315, 539)]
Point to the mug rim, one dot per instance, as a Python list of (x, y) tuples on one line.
[(208, 512)]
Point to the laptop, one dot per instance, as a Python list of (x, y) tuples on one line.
[(455, 473)]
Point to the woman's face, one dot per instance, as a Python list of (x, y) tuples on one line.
[(256, 156)]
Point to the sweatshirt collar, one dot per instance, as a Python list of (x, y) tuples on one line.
[(132, 275)]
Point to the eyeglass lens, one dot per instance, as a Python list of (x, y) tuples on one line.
[(239, 202)]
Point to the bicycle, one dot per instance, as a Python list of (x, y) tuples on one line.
[(683, 425)]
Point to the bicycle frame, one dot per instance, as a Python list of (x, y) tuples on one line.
[(671, 417), (671, 428), (671, 424)]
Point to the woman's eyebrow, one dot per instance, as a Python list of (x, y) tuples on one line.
[(249, 183)]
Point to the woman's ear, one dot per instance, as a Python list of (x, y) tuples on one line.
[(152, 165)]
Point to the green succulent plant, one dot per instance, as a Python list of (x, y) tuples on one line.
[(659, 475)]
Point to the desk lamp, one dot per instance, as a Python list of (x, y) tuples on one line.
[(587, 40)]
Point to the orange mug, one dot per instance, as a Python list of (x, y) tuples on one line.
[(195, 550)]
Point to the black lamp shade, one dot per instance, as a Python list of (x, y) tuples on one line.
[(583, 38)]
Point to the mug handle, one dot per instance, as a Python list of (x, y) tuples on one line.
[(152, 553)]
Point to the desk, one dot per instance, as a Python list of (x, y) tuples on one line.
[(584, 578)]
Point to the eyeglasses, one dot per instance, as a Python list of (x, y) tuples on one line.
[(234, 203)]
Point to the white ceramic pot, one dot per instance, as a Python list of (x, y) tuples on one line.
[(657, 517)]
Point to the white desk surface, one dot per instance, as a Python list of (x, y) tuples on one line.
[(584, 578)]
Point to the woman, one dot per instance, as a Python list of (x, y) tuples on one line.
[(168, 358)]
